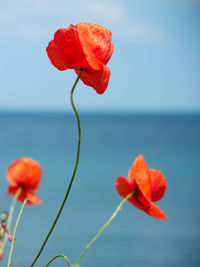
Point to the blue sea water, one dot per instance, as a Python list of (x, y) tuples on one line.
[(110, 142)]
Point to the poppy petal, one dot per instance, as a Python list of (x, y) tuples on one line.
[(26, 173), (158, 185), (76, 54), (141, 174), (56, 57), (155, 212), (131, 175), (98, 79), (33, 199), (69, 45), (122, 186), (98, 38)]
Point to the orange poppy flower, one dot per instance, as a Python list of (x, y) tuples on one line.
[(24, 173), (85, 46), (148, 186)]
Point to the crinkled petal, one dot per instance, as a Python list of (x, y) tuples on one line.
[(97, 79), (26, 173), (158, 185), (77, 55), (33, 199), (140, 174), (56, 56), (98, 38)]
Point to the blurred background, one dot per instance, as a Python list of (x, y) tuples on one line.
[(151, 107)]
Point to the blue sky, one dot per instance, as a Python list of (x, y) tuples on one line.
[(155, 65)]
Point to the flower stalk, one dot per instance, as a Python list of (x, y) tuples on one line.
[(59, 256), (73, 175), (15, 229), (10, 216), (103, 228)]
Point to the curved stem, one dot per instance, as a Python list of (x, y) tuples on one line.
[(73, 175), (10, 215), (57, 256), (103, 228), (15, 229)]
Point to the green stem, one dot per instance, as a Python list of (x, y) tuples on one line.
[(103, 228), (57, 256), (10, 215), (15, 229), (73, 175)]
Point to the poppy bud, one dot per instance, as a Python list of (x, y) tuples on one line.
[(4, 216)]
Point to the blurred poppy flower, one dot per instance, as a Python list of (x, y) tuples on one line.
[(85, 46), (148, 186), (24, 173)]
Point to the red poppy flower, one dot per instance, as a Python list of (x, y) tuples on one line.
[(85, 46), (148, 186), (24, 173)]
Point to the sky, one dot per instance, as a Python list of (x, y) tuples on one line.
[(155, 65)]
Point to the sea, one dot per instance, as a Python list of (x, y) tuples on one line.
[(110, 142)]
